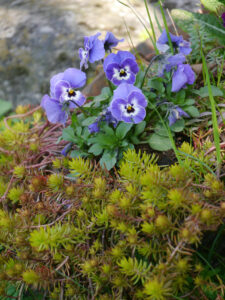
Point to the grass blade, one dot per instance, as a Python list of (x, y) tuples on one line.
[(214, 117)]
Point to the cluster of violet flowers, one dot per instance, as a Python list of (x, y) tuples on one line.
[(128, 102), (182, 74)]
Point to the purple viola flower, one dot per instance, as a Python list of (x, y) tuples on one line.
[(93, 50), (64, 94), (178, 43), (111, 41), (54, 110), (175, 60), (109, 119), (128, 104), (182, 76), (66, 149), (223, 18), (105, 117), (121, 67), (175, 113), (94, 127)]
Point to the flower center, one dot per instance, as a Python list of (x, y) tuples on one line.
[(123, 73), (175, 45), (130, 108), (71, 93)]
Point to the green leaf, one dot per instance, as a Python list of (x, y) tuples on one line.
[(139, 128), (213, 5), (189, 102), (204, 92), (78, 153), (108, 159), (108, 130), (85, 133), (123, 129), (105, 94), (157, 85), (159, 143), (68, 135), (78, 130), (135, 140), (211, 23), (139, 78), (178, 126), (74, 120), (5, 106), (161, 130), (192, 111), (96, 149), (88, 121), (106, 141)]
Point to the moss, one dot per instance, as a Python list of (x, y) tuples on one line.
[(129, 235)]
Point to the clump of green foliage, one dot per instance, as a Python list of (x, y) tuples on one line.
[(78, 231), (205, 30)]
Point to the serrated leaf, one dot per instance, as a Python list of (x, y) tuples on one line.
[(159, 143), (210, 22), (213, 5), (122, 130)]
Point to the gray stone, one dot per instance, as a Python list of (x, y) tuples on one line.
[(39, 38)]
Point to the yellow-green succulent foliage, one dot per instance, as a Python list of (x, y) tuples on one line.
[(70, 228)]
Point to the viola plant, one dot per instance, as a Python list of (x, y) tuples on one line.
[(134, 109), (64, 95)]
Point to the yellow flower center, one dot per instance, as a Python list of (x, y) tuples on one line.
[(71, 92), (129, 108)]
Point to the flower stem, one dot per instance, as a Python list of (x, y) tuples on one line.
[(81, 108)]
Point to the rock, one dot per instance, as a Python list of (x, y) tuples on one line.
[(41, 38)]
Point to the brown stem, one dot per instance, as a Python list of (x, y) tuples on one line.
[(7, 190), (222, 145)]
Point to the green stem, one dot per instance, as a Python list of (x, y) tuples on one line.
[(166, 27), (146, 71), (110, 86), (216, 134), (140, 20), (152, 27), (170, 137), (81, 108)]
